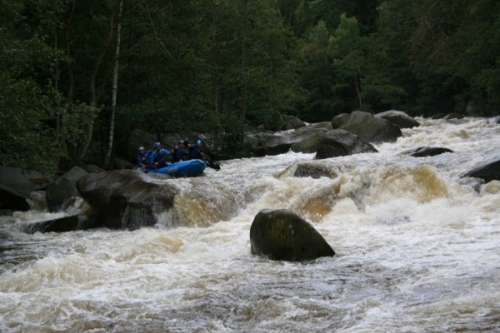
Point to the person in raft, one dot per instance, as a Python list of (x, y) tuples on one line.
[(157, 158), (197, 151), (142, 158), (180, 152)]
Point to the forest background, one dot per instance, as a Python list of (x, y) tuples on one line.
[(80, 72)]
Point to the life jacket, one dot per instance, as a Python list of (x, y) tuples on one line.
[(196, 153)]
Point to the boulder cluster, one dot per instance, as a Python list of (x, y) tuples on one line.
[(129, 199)]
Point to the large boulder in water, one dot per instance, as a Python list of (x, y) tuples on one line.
[(341, 143), (398, 118), (62, 193), (292, 122), (282, 142), (308, 145), (64, 224), (16, 186), (125, 198), (488, 171), (283, 235), (130, 199), (368, 127)]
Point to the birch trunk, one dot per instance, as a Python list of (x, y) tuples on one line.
[(115, 88)]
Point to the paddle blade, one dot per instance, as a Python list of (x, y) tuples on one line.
[(212, 165)]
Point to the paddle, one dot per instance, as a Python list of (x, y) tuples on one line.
[(211, 164)]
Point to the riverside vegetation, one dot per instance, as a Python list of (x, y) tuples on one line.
[(84, 74)]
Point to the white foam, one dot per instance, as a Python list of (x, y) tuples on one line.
[(416, 251)]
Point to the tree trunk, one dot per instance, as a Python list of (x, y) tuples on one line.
[(115, 88), (243, 68), (215, 58), (358, 90), (71, 76), (93, 79)]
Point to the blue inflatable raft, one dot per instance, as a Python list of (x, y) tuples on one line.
[(182, 169)]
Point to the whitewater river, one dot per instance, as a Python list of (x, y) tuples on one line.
[(416, 251)]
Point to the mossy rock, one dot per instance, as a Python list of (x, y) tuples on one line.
[(341, 143), (398, 118), (367, 127), (283, 235)]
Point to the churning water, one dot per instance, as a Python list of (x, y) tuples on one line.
[(416, 251)]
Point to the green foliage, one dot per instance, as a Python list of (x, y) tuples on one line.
[(25, 139), (218, 66), (230, 144)]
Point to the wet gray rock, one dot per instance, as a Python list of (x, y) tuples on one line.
[(487, 171), (283, 235), (64, 224), (292, 122), (473, 183), (16, 186), (126, 199), (495, 120), (6, 212), (314, 171), (90, 168), (368, 127), (62, 193), (282, 142), (438, 116), (398, 118), (120, 164), (309, 144), (454, 116), (339, 142), (428, 151)]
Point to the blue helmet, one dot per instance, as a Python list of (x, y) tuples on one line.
[(157, 144), (141, 148), (199, 143), (181, 141)]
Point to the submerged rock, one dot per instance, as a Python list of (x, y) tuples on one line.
[(283, 235), (438, 116), (64, 224), (488, 171), (428, 151), (314, 171), (341, 143), (494, 120), (6, 212), (398, 118), (368, 127), (454, 116), (473, 183)]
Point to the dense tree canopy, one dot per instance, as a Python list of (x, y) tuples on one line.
[(222, 66)]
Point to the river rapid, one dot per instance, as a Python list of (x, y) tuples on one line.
[(416, 251)]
